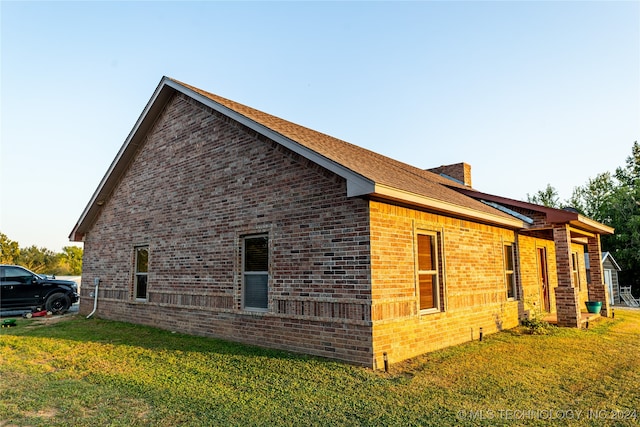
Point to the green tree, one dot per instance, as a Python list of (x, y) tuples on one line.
[(630, 174), (593, 199), (42, 260), (71, 259), (38, 260), (624, 216), (9, 250), (547, 197), (613, 200)]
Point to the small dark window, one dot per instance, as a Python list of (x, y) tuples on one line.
[(142, 271), (256, 272)]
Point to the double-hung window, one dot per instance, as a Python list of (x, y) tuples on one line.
[(428, 271), (509, 270), (255, 274), (141, 273)]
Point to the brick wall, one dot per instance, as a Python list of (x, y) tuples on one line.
[(197, 185), (532, 300), (475, 292), (342, 271), (459, 171)]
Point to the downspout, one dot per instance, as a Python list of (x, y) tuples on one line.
[(96, 281)]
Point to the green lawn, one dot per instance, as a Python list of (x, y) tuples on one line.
[(97, 373)]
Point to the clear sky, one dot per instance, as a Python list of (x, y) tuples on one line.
[(528, 93)]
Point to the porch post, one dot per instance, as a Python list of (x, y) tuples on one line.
[(597, 288), (567, 298)]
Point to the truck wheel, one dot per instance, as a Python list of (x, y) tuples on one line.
[(57, 303)]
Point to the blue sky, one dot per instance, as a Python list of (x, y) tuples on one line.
[(528, 93)]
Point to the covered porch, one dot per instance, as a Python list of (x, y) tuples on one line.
[(565, 227)]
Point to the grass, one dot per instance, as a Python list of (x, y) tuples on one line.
[(95, 372)]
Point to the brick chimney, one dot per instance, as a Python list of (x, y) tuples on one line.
[(460, 172)]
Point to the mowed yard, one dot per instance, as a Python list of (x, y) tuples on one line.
[(75, 372)]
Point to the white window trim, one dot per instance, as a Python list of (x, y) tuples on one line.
[(436, 242), (513, 283), (254, 273), (136, 273)]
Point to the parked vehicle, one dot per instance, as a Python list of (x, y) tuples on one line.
[(24, 289)]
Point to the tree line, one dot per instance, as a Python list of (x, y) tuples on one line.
[(42, 260), (614, 200)]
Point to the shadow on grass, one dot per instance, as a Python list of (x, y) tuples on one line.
[(77, 328)]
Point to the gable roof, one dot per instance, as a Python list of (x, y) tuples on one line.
[(605, 255), (366, 173)]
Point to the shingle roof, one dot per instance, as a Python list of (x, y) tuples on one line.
[(367, 173), (376, 167)]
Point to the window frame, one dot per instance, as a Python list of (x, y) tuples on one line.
[(264, 273), (437, 273), (575, 270), (510, 273), (139, 274)]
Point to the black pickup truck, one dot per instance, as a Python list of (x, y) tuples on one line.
[(23, 289)]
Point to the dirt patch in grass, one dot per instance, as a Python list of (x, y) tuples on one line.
[(36, 322), (43, 413)]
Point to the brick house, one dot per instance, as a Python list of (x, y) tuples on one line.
[(220, 220)]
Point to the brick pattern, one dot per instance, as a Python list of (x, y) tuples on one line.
[(567, 293), (201, 182), (567, 300), (459, 171), (562, 239), (342, 271), (475, 292), (532, 299), (597, 286)]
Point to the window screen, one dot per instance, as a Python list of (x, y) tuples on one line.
[(142, 270), (256, 272), (428, 285)]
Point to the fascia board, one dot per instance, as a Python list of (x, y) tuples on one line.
[(596, 225), (357, 185), (446, 207), (592, 225), (606, 255), (124, 155)]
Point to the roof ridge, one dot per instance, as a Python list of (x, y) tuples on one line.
[(253, 112), (380, 170)]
